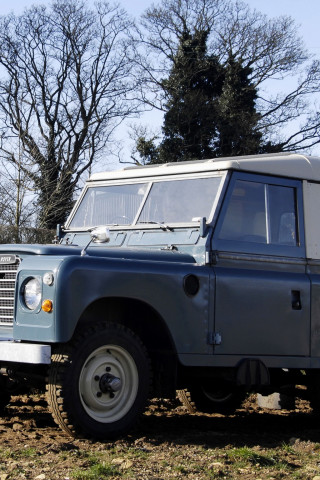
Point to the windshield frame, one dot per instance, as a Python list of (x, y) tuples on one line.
[(149, 181)]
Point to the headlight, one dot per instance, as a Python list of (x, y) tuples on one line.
[(32, 293)]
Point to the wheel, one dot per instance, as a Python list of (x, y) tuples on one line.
[(99, 384), (221, 399)]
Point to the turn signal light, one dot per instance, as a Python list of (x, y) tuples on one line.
[(47, 306)]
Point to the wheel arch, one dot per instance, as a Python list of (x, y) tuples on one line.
[(152, 330)]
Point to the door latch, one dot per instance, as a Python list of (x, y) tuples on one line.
[(296, 300), (215, 338)]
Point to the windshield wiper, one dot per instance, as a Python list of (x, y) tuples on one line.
[(162, 225)]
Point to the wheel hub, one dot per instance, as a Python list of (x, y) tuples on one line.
[(108, 383)]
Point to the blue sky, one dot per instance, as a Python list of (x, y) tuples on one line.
[(305, 12)]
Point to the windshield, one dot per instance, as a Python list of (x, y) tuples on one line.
[(169, 201)]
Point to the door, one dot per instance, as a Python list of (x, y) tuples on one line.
[(262, 292)]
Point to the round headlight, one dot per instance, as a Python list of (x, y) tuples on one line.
[(32, 293)]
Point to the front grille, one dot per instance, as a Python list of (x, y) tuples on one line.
[(8, 275)]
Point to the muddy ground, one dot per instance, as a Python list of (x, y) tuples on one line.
[(168, 443)]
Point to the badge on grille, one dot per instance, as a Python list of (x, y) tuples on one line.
[(8, 259)]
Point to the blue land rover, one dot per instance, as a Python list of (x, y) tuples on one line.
[(200, 277)]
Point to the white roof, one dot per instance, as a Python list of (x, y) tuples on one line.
[(291, 165)]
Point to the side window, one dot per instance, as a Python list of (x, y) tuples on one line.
[(261, 213), (283, 215)]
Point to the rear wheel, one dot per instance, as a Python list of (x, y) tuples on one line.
[(217, 399), (99, 384)]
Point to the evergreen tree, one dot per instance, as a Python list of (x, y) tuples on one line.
[(210, 108), (192, 89), (217, 57), (237, 117)]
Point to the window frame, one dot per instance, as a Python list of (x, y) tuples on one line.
[(222, 174), (255, 247)]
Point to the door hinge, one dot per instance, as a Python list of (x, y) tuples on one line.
[(215, 338), (211, 258)]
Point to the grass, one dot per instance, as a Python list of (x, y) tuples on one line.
[(176, 447), (271, 460), (244, 456), (26, 452), (96, 472), (94, 466), (137, 453), (169, 461), (197, 461)]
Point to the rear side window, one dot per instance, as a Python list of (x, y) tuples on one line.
[(261, 213)]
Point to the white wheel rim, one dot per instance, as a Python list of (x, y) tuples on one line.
[(218, 396), (106, 407)]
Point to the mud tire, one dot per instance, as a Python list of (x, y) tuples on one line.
[(200, 399), (78, 401)]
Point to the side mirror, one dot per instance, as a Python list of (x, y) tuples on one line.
[(98, 235)]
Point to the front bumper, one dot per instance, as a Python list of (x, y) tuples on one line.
[(33, 353)]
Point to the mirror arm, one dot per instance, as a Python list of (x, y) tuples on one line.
[(84, 250), (99, 235)]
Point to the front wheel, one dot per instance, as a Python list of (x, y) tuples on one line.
[(99, 384)]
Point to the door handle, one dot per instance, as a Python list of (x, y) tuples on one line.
[(296, 300)]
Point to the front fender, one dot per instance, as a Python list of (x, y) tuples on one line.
[(80, 281)]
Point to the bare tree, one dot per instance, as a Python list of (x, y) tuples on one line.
[(18, 208), (18, 204), (67, 82), (271, 48)]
